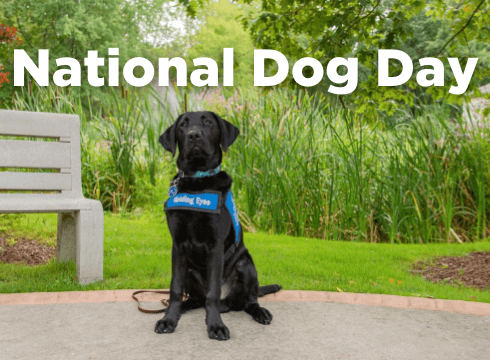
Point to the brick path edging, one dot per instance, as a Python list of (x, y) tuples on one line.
[(400, 302)]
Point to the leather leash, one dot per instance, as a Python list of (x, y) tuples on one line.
[(148, 311), (164, 301)]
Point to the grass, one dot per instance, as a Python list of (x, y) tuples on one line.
[(303, 167), (137, 256)]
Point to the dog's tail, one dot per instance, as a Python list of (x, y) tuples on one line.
[(269, 289)]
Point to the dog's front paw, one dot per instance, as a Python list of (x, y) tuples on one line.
[(218, 332), (262, 315), (165, 326)]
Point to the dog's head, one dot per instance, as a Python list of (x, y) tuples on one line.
[(200, 137)]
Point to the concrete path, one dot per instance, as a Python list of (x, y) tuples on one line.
[(316, 325)]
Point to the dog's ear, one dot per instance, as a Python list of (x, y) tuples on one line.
[(229, 132), (167, 139)]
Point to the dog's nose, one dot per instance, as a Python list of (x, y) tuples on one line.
[(194, 135)]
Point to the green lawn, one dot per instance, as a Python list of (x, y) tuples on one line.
[(137, 256)]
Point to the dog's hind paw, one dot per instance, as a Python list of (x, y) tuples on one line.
[(223, 307), (165, 326), (262, 316), (218, 332)]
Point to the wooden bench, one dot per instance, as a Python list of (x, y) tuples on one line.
[(80, 221)]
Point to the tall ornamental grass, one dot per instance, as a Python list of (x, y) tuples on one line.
[(304, 167), (301, 166)]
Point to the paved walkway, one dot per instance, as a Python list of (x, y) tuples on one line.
[(310, 325)]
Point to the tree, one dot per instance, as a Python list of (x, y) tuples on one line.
[(358, 28), (219, 29), (69, 28)]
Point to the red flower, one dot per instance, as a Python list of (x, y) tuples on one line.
[(4, 78), (9, 35)]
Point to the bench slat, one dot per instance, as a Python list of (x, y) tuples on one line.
[(34, 154), (34, 181), (41, 203), (17, 123)]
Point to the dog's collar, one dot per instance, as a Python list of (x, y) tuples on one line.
[(201, 174), (172, 191)]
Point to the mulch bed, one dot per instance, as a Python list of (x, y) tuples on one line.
[(25, 251), (472, 270)]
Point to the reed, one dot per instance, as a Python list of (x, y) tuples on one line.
[(301, 166), (307, 168)]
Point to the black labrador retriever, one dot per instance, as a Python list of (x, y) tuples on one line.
[(207, 254)]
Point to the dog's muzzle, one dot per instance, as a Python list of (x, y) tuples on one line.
[(194, 134)]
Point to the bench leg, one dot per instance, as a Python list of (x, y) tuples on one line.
[(66, 244), (90, 244)]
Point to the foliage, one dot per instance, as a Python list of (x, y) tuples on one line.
[(8, 35), (468, 21), (300, 166), (71, 28), (478, 155), (327, 29), (303, 167), (427, 38), (169, 29), (220, 30)]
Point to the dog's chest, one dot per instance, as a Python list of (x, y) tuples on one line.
[(225, 290), (195, 235), (189, 228), (225, 285)]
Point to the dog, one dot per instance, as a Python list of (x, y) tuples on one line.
[(208, 251)]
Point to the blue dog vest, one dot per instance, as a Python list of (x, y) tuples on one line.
[(209, 201)]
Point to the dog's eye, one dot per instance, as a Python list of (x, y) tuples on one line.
[(183, 124), (207, 122)]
